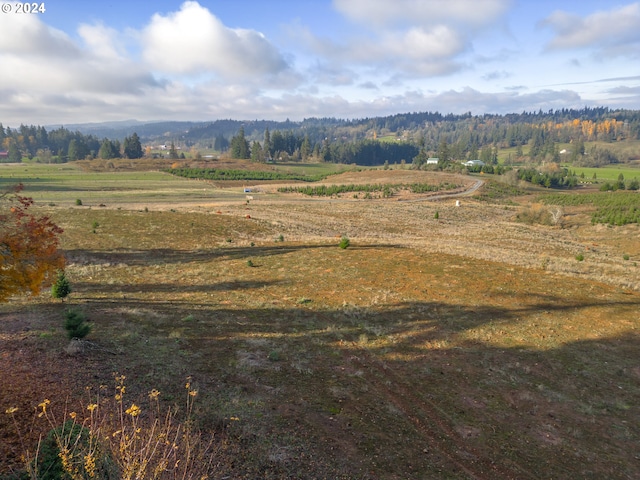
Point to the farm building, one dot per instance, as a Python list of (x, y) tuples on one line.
[(474, 163), (432, 161)]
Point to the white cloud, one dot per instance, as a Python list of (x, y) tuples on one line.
[(615, 32), (469, 99), (417, 43), (471, 13), (411, 38), (193, 40), (26, 35), (102, 41), (412, 52)]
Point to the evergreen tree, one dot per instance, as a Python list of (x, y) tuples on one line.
[(14, 154), (76, 325), (257, 155), (240, 145), (420, 159), (72, 151), (173, 153), (266, 145), (108, 150), (61, 287), (220, 144), (444, 156), (132, 146), (305, 148)]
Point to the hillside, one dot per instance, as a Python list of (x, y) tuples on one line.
[(489, 336)]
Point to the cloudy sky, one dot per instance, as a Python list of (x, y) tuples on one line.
[(255, 59)]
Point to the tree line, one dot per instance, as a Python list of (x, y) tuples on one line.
[(62, 145)]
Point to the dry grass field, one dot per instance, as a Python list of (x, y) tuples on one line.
[(465, 346)]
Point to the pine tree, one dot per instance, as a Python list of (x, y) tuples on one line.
[(257, 154), (14, 154), (266, 145), (72, 151), (106, 149), (61, 288), (305, 148), (75, 324), (173, 153), (240, 145), (132, 146)]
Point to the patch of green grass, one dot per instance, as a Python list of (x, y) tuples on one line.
[(607, 173), (615, 208), (499, 192)]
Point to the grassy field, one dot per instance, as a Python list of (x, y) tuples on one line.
[(469, 345), (610, 172), (628, 148)]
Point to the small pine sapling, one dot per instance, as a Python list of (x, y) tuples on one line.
[(344, 243), (61, 288), (76, 325)]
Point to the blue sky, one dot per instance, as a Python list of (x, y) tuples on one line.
[(204, 60)]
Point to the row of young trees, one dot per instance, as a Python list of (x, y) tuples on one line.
[(61, 145)]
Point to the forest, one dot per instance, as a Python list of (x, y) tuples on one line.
[(401, 138)]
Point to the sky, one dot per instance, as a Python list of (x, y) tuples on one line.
[(79, 62)]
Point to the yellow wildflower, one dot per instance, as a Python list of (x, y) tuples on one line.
[(90, 465), (43, 405), (193, 393), (73, 415), (133, 410), (91, 407), (153, 394), (11, 410)]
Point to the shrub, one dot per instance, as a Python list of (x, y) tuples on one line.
[(344, 243), (61, 288), (76, 325), (535, 214), (580, 257), (437, 215), (78, 201), (108, 440), (274, 356), (250, 263), (68, 452), (625, 256)]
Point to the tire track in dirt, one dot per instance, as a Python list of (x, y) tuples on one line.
[(430, 421)]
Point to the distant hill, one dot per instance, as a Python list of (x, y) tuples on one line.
[(125, 128)]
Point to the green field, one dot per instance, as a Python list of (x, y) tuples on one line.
[(610, 172), (62, 184)]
